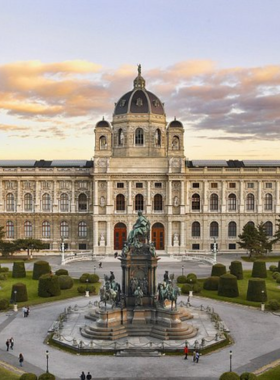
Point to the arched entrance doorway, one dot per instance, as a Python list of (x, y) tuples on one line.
[(158, 236), (119, 236)]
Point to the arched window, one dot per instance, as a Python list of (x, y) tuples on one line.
[(175, 143), (232, 202), (195, 202), (139, 136), (28, 229), (196, 229), (46, 202), (64, 202), (232, 229), (120, 202), (139, 202), (214, 229), (10, 202), (120, 137), (268, 202), (102, 143), (10, 230), (82, 230), (214, 202), (250, 202), (28, 202), (250, 224), (268, 228), (82, 202), (158, 137), (46, 230), (64, 230), (157, 202)]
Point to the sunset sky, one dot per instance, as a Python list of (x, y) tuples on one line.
[(214, 63)]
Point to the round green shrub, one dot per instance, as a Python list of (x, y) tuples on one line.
[(39, 268), (3, 277), (65, 282), (273, 304), (196, 288), (181, 279), (93, 278), (62, 272), (28, 376), (191, 278), (48, 286), (4, 270), (278, 279), (84, 277), (228, 286), (259, 269), (4, 304), (255, 288), (248, 376), (46, 376), (211, 283), (236, 269), (273, 268), (82, 289), (278, 267), (18, 270), (21, 290), (218, 270), (229, 376), (275, 275), (186, 288)]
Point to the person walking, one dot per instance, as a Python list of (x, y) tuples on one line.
[(197, 356), (194, 356), (20, 359), (83, 376), (8, 344), (89, 377), (100, 264), (12, 343), (186, 351)]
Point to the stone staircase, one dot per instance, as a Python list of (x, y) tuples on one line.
[(134, 352)]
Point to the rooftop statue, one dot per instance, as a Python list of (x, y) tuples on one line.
[(141, 229)]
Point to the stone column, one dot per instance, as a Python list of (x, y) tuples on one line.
[(260, 203), (241, 197), (96, 203), (73, 202), (95, 235), (169, 234), (223, 197), (182, 235), (55, 197), (205, 196), (187, 197), (149, 203), (130, 202), (182, 206), (276, 198), (108, 233), (18, 200)]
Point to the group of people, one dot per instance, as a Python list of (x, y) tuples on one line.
[(195, 356), (26, 311), (10, 344), (85, 377)]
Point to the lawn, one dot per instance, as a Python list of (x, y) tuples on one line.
[(266, 259), (272, 374), (8, 375)]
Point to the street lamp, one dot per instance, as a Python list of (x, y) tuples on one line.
[(230, 361), (94, 269), (191, 290), (62, 251), (87, 291), (47, 357), (262, 305), (182, 270), (15, 300)]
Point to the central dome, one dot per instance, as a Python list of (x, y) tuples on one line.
[(139, 100)]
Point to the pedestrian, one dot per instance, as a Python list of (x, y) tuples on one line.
[(197, 355), (186, 351), (20, 359), (100, 264), (89, 377), (24, 310), (7, 344), (194, 356), (27, 311), (83, 376), (12, 343)]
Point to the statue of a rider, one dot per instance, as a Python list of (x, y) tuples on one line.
[(140, 229)]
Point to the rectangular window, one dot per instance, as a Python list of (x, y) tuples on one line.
[(195, 247), (120, 185), (212, 247), (214, 185), (250, 185), (232, 185), (47, 246), (139, 185), (195, 185), (232, 246), (268, 185), (158, 185), (82, 246)]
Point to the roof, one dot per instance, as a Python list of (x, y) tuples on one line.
[(44, 163), (232, 163)]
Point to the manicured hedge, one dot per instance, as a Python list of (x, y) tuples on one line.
[(229, 376), (4, 269), (255, 288), (48, 286), (228, 286), (39, 268), (273, 268), (191, 278), (181, 279), (218, 270), (21, 290), (46, 376), (3, 277), (92, 278), (196, 288), (62, 272), (274, 304), (236, 269), (82, 289), (4, 304), (65, 282), (248, 376), (211, 283), (19, 270), (28, 376), (259, 269), (278, 270)]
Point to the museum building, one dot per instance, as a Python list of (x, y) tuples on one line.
[(138, 164)]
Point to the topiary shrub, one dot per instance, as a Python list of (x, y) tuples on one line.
[(18, 270), (248, 376), (62, 272), (228, 286), (275, 275), (4, 269), (191, 278), (229, 376), (93, 278), (236, 269), (3, 277), (28, 376), (39, 268), (84, 277), (4, 304), (211, 283), (273, 304), (46, 376), (272, 268), (256, 290), (82, 289), (278, 267), (259, 269), (65, 282), (278, 279), (196, 288), (48, 286), (218, 270), (21, 295), (181, 279)]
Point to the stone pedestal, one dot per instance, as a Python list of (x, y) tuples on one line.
[(87, 293)]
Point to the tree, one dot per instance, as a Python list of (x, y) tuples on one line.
[(255, 240), (265, 245), (6, 247), (29, 244), (276, 236)]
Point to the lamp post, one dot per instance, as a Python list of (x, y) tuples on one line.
[(87, 291), (215, 250), (47, 357), (15, 300), (191, 290), (182, 270), (62, 251), (230, 361), (94, 269), (262, 304)]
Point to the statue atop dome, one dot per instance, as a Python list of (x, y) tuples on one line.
[(139, 69)]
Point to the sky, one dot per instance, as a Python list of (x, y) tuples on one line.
[(65, 63)]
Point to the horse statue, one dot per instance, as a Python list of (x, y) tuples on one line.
[(108, 295), (173, 297)]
